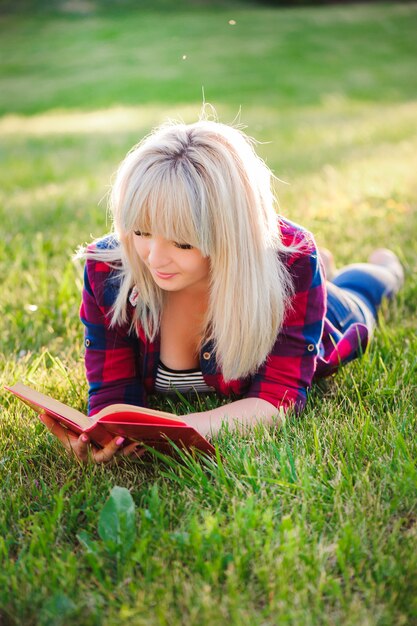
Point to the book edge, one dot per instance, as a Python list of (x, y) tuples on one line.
[(42, 401)]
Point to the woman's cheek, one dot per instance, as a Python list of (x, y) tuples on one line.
[(142, 248)]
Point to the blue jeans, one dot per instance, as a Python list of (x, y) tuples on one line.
[(356, 293)]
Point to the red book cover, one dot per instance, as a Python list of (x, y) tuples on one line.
[(148, 426)]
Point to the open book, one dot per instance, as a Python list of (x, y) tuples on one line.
[(153, 428)]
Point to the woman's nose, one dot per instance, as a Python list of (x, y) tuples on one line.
[(158, 252)]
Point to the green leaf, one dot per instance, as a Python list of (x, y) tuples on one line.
[(117, 522)]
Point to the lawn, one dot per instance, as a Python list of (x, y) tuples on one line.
[(313, 524)]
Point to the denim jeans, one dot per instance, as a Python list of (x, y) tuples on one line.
[(356, 293)]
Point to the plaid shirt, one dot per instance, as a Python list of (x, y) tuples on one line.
[(121, 365)]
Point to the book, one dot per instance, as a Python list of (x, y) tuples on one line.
[(148, 426)]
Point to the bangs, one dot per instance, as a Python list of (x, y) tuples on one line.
[(167, 203)]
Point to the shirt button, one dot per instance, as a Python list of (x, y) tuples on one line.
[(206, 356), (311, 347), (87, 343)]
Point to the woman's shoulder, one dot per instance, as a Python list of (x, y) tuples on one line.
[(103, 267), (293, 234), (107, 242), (102, 255), (303, 263)]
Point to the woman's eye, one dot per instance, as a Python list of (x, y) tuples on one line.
[(183, 246), (139, 233)]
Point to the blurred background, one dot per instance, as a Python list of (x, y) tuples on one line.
[(328, 89)]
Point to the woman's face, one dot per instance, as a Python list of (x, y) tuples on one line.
[(174, 266)]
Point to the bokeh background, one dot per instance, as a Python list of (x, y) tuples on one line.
[(328, 90)]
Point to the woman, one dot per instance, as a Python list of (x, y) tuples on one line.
[(202, 286)]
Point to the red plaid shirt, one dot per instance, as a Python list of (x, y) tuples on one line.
[(121, 365)]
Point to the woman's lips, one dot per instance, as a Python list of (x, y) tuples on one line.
[(163, 276)]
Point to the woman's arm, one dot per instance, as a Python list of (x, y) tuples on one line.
[(111, 353), (111, 365), (282, 381), (237, 415)]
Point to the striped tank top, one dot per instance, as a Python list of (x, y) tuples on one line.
[(185, 381)]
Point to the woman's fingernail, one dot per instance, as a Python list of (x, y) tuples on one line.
[(84, 438), (119, 441)]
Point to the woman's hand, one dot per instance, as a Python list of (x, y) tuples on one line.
[(86, 451)]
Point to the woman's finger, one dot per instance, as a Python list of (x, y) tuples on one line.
[(106, 454), (134, 449), (81, 447)]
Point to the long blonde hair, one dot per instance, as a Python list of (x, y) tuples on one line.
[(203, 184)]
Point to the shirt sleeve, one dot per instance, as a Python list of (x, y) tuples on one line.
[(286, 375), (111, 353)]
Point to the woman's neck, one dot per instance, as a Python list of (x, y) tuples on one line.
[(193, 305)]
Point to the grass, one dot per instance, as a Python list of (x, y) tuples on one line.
[(313, 524), (142, 57)]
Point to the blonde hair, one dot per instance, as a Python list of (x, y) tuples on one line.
[(203, 184)]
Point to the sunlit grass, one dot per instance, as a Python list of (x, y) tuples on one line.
[(137, 57), (114, 120)]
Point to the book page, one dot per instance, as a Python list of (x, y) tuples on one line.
[(131, 408), (138, 417), (39, 401)]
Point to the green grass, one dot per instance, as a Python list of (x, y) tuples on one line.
[(315, 523), (274, 57)]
